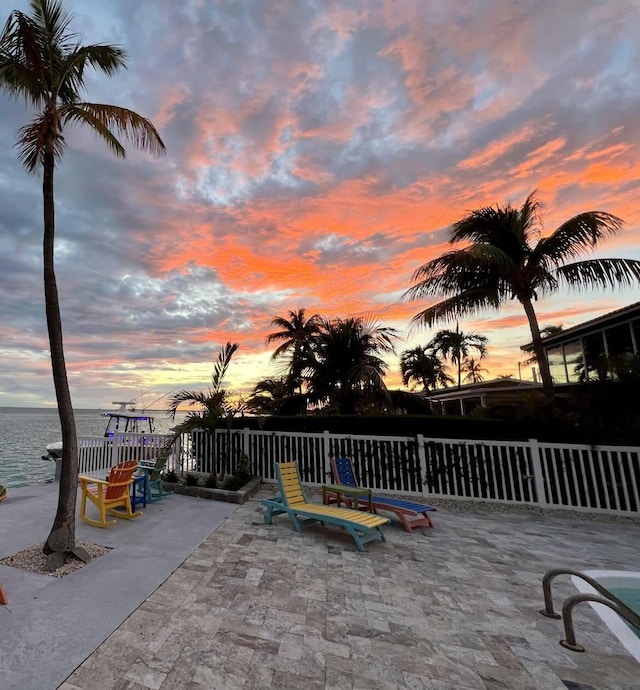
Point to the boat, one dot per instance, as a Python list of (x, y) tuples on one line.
[(124, 419)]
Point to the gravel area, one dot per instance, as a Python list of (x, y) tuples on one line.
[(34, 561)]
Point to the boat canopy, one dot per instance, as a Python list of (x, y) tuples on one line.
[(124, 421)]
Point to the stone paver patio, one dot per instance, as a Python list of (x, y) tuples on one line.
[(456, 607)]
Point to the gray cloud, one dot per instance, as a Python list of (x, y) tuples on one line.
[(302, 138)]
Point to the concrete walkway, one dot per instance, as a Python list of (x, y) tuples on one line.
[(52, 624), (453, 608)]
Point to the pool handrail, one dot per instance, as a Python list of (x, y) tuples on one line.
[(607, 598), (570, 638)]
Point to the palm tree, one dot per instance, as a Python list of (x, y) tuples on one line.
[(506, 258), (473, 368), (297, 334), (42, 61), (345, 365), (456, 346), (269, 396), (423, 366), (213, 404)]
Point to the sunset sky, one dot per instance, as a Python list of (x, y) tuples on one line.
[(317, 152)]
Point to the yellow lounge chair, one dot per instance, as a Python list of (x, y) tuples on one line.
[(363, 527)]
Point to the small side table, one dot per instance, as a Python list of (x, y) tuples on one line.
[(139, 490), (353, 492)]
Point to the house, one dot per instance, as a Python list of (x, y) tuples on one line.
[(574, 353), (463, 400)]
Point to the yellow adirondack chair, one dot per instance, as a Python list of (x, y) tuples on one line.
[(110, 494)]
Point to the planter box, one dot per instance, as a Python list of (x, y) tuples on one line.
[(242, 495)]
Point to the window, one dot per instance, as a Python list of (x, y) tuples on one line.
[(619, 340), (573, 360), (594, 353), (635, 325), (556, 364)]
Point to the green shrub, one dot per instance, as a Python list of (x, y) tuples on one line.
[(211, 481), (191, 479), (244, 465), (236, 481), (171, 477)]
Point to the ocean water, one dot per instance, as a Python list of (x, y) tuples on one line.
[(25, 433)]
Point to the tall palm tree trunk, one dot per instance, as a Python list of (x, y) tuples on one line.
[(536, 342), (61, 539)]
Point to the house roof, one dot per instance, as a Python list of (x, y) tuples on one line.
[(612, 318), (475, 390)]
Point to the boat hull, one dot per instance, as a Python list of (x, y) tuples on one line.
[(54, 451)]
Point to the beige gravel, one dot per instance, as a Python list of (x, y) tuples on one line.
[(34, 561)]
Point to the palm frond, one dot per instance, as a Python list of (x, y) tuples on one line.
[(374, 336), (193, 421), (503, 226), (53, 20), (133, 127), (32, 140), (600, 273), (71, 67), (464, 304), (102, 57), (474, 267), (282, 349), (278, 335), (76, 114), (222, 364), (577, 236), (188, 397), (22, 71), (510, 229)]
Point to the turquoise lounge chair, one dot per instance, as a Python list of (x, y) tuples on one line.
[(363, 527), (343, 473)]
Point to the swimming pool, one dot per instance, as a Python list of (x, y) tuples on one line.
[(626, 586)]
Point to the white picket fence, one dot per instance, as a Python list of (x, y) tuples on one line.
[(602, 479), (98, 453)]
